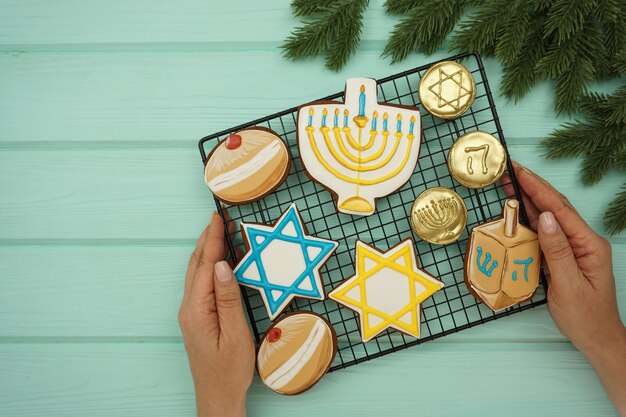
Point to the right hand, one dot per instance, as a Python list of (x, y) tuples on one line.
[(581, 291)]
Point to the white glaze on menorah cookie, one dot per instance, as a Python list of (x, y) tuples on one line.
[(359, 150), (296, 352), (502, 261), (247, 166)]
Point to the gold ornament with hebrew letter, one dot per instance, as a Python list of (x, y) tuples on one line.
[(447, 90), (438, 215), (477, 159)]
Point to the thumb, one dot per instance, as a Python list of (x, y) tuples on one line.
[(556, 249), (230, 313)]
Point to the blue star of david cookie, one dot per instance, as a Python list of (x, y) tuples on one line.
[(283, 261)]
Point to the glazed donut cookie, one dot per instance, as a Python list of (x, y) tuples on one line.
[(296, 352), (247, 166)]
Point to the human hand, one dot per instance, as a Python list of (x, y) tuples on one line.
[(217, 338), (579, 269)]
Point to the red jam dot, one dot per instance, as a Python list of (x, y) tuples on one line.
[(233, 142), (273, 334)]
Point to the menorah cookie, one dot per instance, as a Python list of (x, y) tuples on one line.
[(477, 159), (387, 289), (360, 150), (283, 261), (296, 352), (447, 90), (247, 166), (438, 215), (502, 262)]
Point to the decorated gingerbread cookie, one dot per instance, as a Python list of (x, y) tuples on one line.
[(360, 150), (283, 261), (503, 259), (247, 166), (296, 352), (387, 289)]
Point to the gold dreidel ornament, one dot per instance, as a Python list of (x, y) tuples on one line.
[(503, 259)]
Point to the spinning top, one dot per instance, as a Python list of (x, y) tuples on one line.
[(503, 259), (477, 160), (447, 90), (438, 215)]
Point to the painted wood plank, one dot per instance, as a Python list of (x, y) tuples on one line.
[(133, 292), (114, 24), (178, 98), (160, 194), (436, 379)]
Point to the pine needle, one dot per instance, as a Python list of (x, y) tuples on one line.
[(566, 17), (334, 30), (309, 7), (514, 33), (423, 29), (399, 7), (481, 28), (615, 215), (520, 74)]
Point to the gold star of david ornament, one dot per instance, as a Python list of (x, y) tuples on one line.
[(447, 90)]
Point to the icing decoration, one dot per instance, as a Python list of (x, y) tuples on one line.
[(502, 263), (247, 166), (283, 262), (477, 159), (482, 267), (447, 89), (296, 352), (355, 160), (438, 215), (233, 142), (387, 289)]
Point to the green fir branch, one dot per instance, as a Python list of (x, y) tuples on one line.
[(308, 7), (615, 216), (573, 81), (347, 39), (520, 75), (335, 32), (573, 139), (619, 62), (399, 7), (481, 29), (514, 33), (423, 29), (566, 17)]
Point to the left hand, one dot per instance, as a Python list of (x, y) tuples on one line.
[(217, 338)]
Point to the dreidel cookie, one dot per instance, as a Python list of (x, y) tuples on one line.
[(502, 262)]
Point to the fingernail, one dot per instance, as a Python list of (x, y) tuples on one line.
[(547, 222), (223, 271)]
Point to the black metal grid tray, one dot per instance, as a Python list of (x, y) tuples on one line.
[(451, 309)]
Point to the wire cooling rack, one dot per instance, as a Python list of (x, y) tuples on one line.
[(451, 309)]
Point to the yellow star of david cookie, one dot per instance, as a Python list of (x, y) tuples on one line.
[(387, 289)]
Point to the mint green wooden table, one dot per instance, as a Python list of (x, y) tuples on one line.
[(102, 198)]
